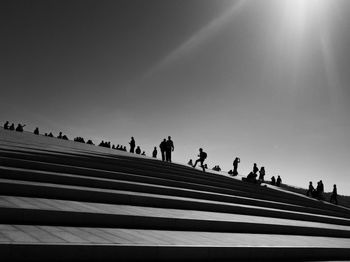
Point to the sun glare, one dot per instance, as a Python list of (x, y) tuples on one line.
[(301, 13)]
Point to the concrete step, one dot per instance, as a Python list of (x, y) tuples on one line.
[(187, 182), (39, 243), (86, 194), (88, 219), (67, 179)]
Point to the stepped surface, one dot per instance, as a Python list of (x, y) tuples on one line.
[(63, 200)]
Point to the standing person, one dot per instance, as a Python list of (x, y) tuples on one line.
[(255, 169), (273, 180), (334, 195), (36, 131), (202, 156), (279, 181), (162, 147), (311, 190), (169, 148), (262, 174), (235, 166), (154, 153), (132, 145)]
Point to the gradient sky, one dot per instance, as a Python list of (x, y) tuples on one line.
[(267, 81)]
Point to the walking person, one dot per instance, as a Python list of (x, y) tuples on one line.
[(202, 156), (132, 145), (168, 149), (162, 148), (235, 166)]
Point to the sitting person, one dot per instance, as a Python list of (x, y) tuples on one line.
[(50, 135), (12, 127), (89, 142), (64, 137), (251, 177), (6, 125), (230, 172), (36, 131), (19, 128), (190, 163), (138, 150)]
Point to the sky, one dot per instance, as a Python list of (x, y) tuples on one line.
[(263, 80)]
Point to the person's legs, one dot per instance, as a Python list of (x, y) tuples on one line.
[(195, 163), (202, 165)]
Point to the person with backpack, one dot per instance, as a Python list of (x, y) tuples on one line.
[(202, 156)]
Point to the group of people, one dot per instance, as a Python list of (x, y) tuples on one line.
[(11, 127), (252, 177), (216, 168), (318, 192), (167, 147)]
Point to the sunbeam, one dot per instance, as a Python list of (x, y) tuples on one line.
[(198, 38)]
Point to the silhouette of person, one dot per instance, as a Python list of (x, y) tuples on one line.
[(50, 135), (319, 190), (6, 125), (311, 190), (251, 177), (162, 147), (190, 163), (154, 153), (262, 174), (36, 131), (202, 156), (19, 128), (143, 153), (59, 135), (235, 166), (132, 145), (138, 150), (168, 149), (334, 195), (12, 127), (273, 180), (279, 181)]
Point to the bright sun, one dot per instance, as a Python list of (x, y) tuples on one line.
[(299, 13)]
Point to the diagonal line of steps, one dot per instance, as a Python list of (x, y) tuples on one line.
[(85, 194), (65, 179)]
